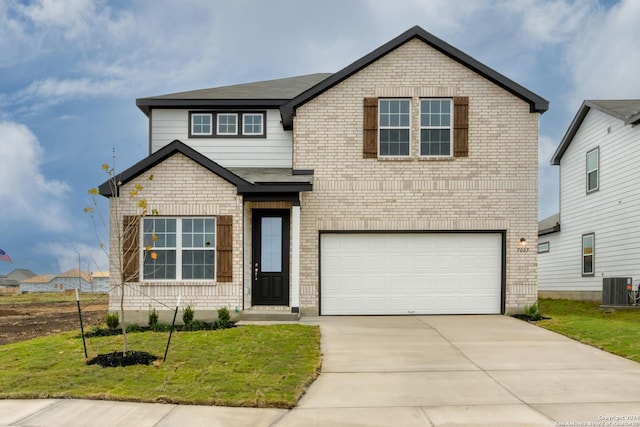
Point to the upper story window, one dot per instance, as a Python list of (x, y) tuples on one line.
[(201, 124), (588, 250), (211, 124), (179, 248), (593, 170), (435, 127), (252, 124), (395, 127), (227, 124)]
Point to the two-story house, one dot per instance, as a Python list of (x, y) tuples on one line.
[(405, 183), (595, 234)]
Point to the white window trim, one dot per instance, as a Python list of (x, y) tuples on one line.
[(450, 127), (245, 115), (178, 248), (408, 127), (218, 132), (596, 170), (193, 115)]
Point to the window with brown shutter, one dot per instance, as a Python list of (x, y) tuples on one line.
[(224, 247), (130, 249), (461, 126), (370, 129)]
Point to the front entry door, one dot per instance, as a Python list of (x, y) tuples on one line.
[(270, 264)]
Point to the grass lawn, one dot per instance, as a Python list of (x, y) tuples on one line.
[(262, 366), (617, 332)]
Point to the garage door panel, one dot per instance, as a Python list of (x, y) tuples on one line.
[(418, 273)]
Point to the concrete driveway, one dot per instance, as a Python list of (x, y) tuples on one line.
[(409, 371)]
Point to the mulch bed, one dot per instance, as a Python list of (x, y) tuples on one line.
[(118, 358)]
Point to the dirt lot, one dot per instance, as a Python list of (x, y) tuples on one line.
[(23, 321)]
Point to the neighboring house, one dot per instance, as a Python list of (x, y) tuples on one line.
[(11, 282), (405, 183), (597, 231), (68, 281)]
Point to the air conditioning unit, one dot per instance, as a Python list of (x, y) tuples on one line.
[(614, 290)]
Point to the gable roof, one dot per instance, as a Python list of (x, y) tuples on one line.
[(537, 103), (268, 93), (244, 186), (627, 110)]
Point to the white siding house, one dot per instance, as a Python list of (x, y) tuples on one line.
[(599, 203)]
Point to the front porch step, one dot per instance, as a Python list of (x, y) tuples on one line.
[(267, 316)]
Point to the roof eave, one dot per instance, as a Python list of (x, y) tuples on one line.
[(571, 132), (110, 187), (147, 104)]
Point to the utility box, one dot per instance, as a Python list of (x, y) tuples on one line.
[(614, 290)]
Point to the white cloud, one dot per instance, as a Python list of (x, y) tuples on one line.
[(605, 60), (26, 194), (92, 258)]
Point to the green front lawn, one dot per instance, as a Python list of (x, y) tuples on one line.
[(617, 332), (265, 366)]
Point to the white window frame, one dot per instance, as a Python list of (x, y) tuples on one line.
[(595, 170), (592, 254), (432, 127), (544, 247), (192, 129), (178, 248), (389, 127), (218, 116), (244, 118)]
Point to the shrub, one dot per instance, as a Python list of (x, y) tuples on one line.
[(533, 312), (187, 315), (113, 320), (223, 321), (153, 318)]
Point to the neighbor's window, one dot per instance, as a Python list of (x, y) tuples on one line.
[(588, 249), (593, 166), (435, 127), (179, 248), (252, 124), (201, 124), (394, 123), (543, 247), (227, 124)]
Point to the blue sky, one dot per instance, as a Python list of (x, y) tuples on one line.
[(70, 71)]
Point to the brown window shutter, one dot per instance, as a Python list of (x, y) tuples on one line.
[(130, 249), (224, 248), (461, 126), (370, 129)]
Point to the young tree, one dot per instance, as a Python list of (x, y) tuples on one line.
[(123, 230)]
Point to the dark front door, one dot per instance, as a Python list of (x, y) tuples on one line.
[(270, 264)]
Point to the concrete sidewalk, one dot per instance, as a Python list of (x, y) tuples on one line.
[(409, 371)]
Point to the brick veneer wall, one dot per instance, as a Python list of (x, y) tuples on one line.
[(495, 188), (181, 187)]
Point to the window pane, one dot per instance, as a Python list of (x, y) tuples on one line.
[(252, 124), (271, 245), (592, 160), (201, 124), (163, 267), (588, 264), (198, 264)]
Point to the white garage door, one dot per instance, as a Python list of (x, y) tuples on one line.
[(411, 273)]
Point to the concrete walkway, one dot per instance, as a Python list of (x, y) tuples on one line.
[(409, 371)]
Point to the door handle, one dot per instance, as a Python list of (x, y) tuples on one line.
[(255, 271)]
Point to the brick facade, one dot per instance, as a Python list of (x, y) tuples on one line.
[(494, 188), (180, 187)]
